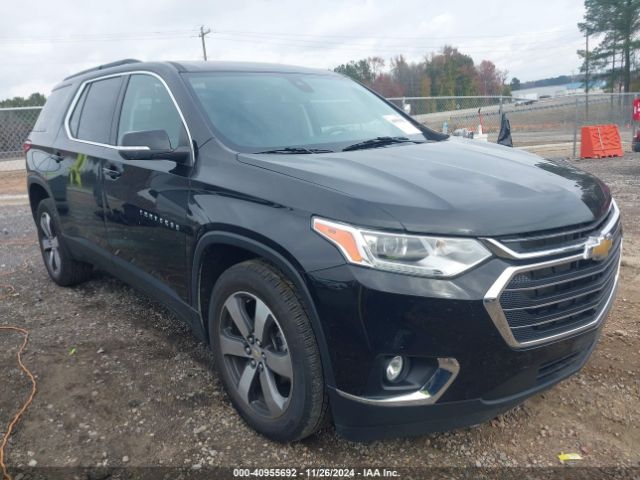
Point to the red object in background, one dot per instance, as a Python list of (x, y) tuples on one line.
[(600, 141), (636, 109)]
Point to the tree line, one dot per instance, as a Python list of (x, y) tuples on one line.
[(33, 100), (446, 73), (616, 25)]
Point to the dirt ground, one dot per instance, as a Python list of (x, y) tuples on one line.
[(121, 382), (13, 183)]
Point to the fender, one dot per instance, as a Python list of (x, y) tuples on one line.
[(233, 239)]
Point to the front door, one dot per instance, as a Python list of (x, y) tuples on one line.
[(146, 200)]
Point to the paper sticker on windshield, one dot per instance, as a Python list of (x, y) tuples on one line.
[(401, 123)]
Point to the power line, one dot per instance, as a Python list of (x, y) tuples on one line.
[(281, 39), (306, 38), (398, 48), (78, 40), (89, 36), (403, 37)]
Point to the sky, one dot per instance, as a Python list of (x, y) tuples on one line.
[(43, 41)]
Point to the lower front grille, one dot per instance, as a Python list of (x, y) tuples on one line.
[(549, 370), (537, 303)]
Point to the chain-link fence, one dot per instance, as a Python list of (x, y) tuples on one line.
[(15, 125), (548, 126)]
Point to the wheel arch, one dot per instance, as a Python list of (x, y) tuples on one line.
[(251, 249), (38, 191)]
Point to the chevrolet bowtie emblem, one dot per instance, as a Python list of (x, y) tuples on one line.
[(598, 248)]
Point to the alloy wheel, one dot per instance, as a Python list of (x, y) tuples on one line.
[(255, 354), (50, 244)]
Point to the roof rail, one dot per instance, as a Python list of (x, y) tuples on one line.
[(106, 65)]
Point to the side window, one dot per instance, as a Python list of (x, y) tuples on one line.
[(95, 110), (148, 106)]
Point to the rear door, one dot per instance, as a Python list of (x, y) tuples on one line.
[(146, 200), (82, 150)]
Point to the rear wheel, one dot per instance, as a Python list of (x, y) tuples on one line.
[(266, 352), (62, 268)]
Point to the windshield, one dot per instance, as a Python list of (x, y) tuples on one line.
[(256, 112)]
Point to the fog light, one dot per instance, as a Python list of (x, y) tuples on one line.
[(394, 368)]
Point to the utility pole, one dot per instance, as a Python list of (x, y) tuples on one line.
[(586, 77), (202, 34)]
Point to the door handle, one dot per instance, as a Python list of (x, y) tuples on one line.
[(57, 157), (112, 173)]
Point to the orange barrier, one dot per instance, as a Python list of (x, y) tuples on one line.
[(600, 141)]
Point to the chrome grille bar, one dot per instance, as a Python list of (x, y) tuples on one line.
[(567, 277), (499, 248), (593, 227)]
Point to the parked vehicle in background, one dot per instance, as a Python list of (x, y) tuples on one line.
[(331, 250), (526, 99), (635, 144)]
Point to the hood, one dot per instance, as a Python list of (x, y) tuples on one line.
[(455, 186)]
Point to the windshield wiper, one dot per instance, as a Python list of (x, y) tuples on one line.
[(379, 142), (293, 150)]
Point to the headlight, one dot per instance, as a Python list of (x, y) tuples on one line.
[(418, 255)]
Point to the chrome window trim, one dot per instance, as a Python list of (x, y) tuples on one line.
[(502, 250), (422, 396), (84, 84), (493, 307)]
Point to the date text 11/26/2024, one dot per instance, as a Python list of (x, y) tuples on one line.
[(315, 473)]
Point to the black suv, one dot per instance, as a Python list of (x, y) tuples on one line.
[(331, 250)]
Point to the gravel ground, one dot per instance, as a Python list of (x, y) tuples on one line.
[(121, 382)]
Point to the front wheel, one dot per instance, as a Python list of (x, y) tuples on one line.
[(266, 353)]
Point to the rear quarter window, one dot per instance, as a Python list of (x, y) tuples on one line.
[(51, 113)]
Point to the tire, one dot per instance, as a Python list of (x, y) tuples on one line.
[(62, 268), (257, 321)]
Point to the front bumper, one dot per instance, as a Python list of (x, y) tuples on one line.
[(360, 421), (369, 314)]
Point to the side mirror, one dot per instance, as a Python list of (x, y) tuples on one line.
[(151, 145)]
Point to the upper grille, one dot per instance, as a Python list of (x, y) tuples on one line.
[(532, 304), (556, 238), (541, 303)]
